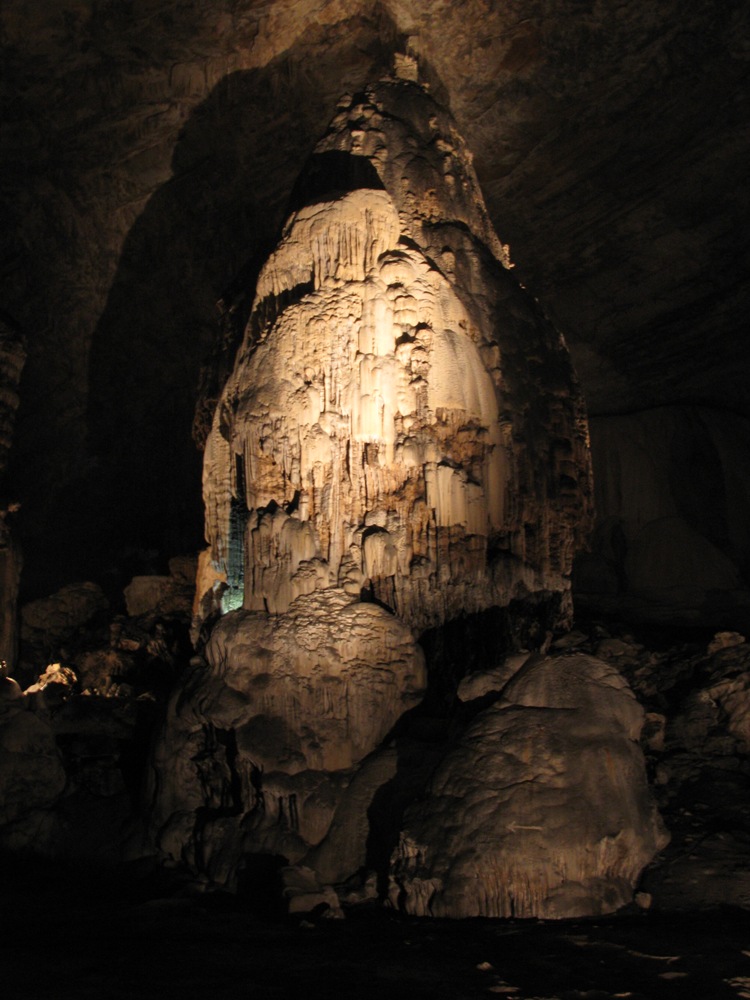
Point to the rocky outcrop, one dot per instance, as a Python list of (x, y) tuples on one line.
[(49, 622), (697, 742), (260, 738), (73, 744), (400, 421), (540, 809), (171, 595), (401, 443), (32, 776)]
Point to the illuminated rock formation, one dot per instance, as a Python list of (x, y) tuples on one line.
[(542, 808), (283, 701), (400, 422), (401, 442)]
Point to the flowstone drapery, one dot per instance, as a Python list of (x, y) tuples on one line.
[(401, 444), (400, 422)]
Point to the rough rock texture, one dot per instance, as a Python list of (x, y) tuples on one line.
[(402, 425), (170, 594), (696, 739), (541, 809), (10, 575), (12, 360), (49, 622), (145, 145), (32, 776), (672, 539), (74, 744), (400, 421), (259, 738)]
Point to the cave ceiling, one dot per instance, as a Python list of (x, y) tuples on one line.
[(150, 148)]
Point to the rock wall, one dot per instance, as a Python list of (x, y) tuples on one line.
[(12, 361), (672, 540)]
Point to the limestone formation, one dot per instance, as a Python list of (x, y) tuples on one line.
[(612, 149), (401, 442), (541, 809), (400, 422), (260, 737)]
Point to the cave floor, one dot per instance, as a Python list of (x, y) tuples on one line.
[(66, 934)]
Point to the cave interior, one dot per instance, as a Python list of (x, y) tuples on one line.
[(153, 154)]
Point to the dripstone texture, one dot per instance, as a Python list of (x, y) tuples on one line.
[(401, 428), (401, 421), (260, 739), (150, 148), (541, 809)]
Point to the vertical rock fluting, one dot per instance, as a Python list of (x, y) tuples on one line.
[(401, 432), (401, 422)]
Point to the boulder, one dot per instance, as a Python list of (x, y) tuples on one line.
[(49, 622), (262, 735), (145, 593), (32, 776), (541, 808), (172, 595)]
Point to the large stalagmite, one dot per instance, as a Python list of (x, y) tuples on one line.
[(401, 443), (400, 422)]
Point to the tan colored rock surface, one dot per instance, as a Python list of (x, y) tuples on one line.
[(255, 737), (382, 444), (541, 809), (382, 431), (168, 594), (338, 673), (612, 149), (145, 593)]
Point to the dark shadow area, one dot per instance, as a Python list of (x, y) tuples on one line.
[(135, 934), (331, 173), (481, 641), (199, 242)]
